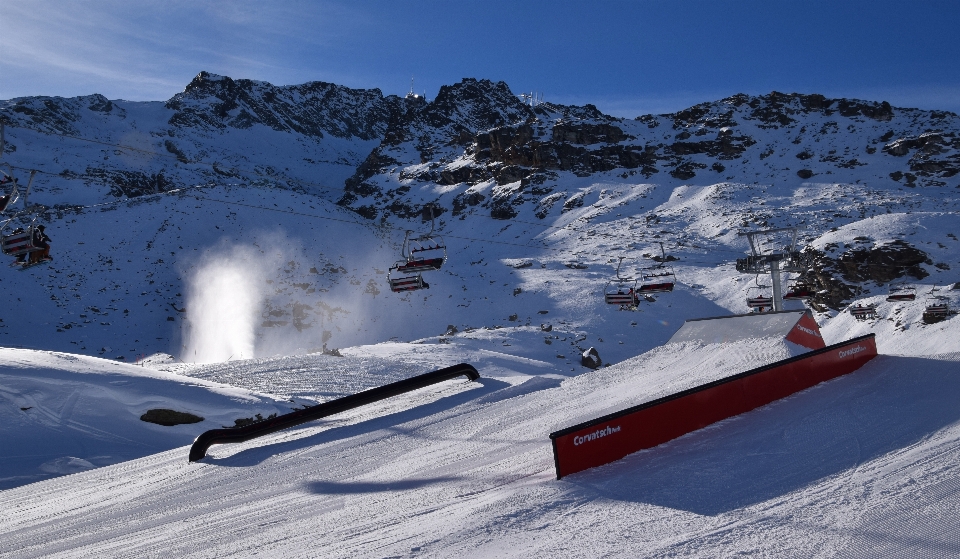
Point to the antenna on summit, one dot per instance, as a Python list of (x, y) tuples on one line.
[(412, 94), (533, 98)]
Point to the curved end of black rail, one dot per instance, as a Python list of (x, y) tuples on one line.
[(274, 424)]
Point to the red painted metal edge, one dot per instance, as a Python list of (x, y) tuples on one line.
[(806, 333), (611, 437)]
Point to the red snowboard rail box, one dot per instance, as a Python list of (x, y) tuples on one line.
[(611, 437)]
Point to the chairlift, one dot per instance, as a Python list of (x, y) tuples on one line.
[(902, 292), (936, 313), (426, 252), (938, 309), (406, 275), (402, 284), (621, 291), (18, 242), (421, 253), (8, 184), (863, 312), (24, 243), (657, 279), (10, 190), (761, 302), (799, 290)]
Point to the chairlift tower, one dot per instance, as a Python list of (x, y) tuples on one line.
[(782, 259)]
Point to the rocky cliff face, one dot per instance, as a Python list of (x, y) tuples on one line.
[(312, 109), (57, 115), (491, 153), (838, 275), (218, 130)]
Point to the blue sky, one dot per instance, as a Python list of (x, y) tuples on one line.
[(628, 58)]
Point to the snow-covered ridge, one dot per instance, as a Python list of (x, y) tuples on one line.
[(218, 130), (523, 154), (311, 109)]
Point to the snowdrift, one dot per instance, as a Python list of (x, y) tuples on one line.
[(66, 413)]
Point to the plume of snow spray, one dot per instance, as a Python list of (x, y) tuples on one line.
[(224, 298)]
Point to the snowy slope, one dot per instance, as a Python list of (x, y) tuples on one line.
[(63, 413), (859, 466)]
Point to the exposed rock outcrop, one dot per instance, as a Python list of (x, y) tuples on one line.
[(311, 109), (839, 279)]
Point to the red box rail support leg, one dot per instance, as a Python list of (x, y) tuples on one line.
[(611, 437)]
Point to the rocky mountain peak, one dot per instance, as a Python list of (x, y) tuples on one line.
[(475, 105), (775, 110), (215, 102), (493, 152), (206, 84)]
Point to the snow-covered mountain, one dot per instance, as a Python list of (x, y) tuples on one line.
[(310, 137), (871, 186), (249, 228)]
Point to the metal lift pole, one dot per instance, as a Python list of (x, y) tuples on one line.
[(29, 184), (777, 290)]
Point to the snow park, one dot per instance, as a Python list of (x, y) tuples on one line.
[(313, 320)]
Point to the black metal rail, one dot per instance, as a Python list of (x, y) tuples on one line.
[(285, 421)]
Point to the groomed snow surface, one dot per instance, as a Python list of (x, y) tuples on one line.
[(866, 465)]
